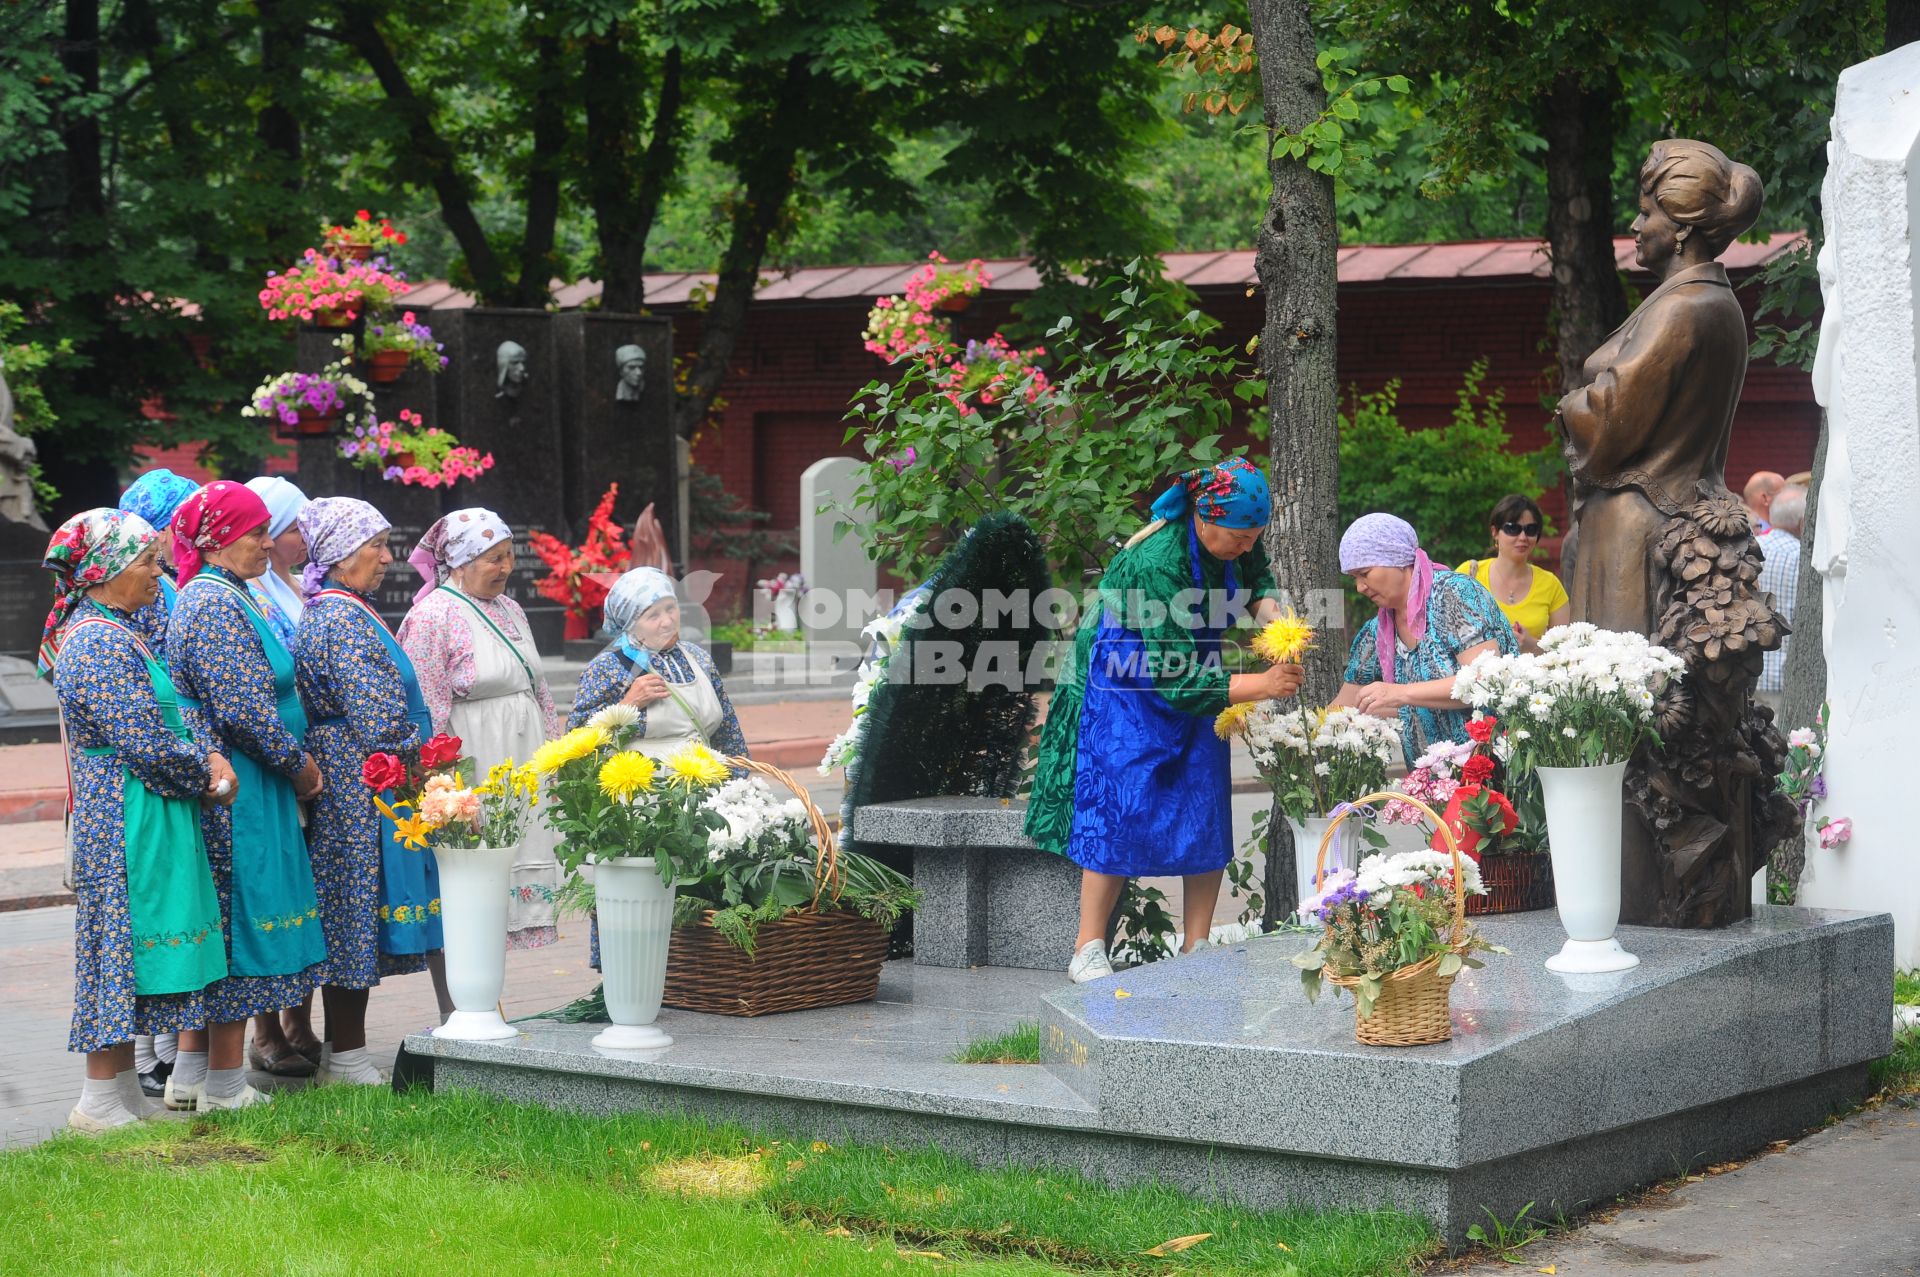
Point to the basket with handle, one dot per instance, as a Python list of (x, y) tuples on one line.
[(819, 956), (1413, 1006)]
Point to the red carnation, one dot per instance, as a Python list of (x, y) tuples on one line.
[(382, 772), (1481, 729), (363, 216), (440, 751), (1478, 770)]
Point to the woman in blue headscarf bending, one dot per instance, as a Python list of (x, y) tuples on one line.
[(1132, 782)]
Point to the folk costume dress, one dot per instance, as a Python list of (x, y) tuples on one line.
[(1131, 778), (155, 496), (280, 602), (480, 674), (238, 690), (147, 935)]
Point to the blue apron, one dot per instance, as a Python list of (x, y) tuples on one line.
[(409, 880), (1151, 792), (274, 917)]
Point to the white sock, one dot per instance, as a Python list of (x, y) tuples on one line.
[(166, 1046), (189, 1069), (145, 1060), (100, 1098), (132, 1097), (354, 1066), (225, 1084)]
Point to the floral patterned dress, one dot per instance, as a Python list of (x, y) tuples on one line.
[(358, 703), (150, 622), (114, 726), (608, 675), (230, 700)]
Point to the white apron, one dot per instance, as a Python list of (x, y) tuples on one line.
[(499, 718), (669, 730)]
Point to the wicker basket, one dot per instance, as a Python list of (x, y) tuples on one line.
[(820, 956), (1516, 881), (1412, 1009)]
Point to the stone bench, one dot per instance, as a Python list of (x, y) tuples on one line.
[(989, 897)]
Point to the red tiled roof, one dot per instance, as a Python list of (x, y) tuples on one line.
[(1485, 259)]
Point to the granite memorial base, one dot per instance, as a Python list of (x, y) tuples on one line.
[(1217, 1076), (988, 896)]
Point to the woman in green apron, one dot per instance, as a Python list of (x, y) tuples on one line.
[(146, 926), (379, 900), (236, 684)]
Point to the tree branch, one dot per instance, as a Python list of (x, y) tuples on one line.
[(543, 177)]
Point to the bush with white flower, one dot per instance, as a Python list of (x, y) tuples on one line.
[(1585, 699), (885, 634), (1313, 759)]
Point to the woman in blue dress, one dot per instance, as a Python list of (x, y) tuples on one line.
[(238, 689), (154, 497), (379, 901), (1439, 621), (277, 590), (146, 926), (1132, 782)]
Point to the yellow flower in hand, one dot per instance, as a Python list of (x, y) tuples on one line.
[(697, 766), (1284, 641), (626, 774), (1232, 721)]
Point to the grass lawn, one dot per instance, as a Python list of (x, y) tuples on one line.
[(348, 1180), (1018, 1045), (1906, 988)]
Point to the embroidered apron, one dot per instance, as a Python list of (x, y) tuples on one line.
[(172, 908), (409, 918), (1150, 787), (499, 718), (274, 917)]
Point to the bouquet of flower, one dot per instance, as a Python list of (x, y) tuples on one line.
[(407, 335), (1802, 780), (321, 287), (1587, 698), (319, 394), (569, 571), (783, 583), (405, 452), (362, 232), (1394, 912), (1313, 759), (1490, 806), (450, 810), (609, 801)]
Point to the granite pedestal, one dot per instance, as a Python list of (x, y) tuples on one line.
[(1214, 1073), (988, 896)]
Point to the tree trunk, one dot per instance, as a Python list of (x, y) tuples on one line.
[(626, 196), (80, 129), (1589, 302), (532, 288), (282, 46), (1805, 681), (1295, 256)]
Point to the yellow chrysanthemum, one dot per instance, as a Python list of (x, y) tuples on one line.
[(697, 766), (497, 778), (578, 743), (1285, 640), (1232, 721), (626, 774)]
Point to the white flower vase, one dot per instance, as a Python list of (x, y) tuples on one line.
[(786, 611), (475, 883), (1306, 850), (1583, 829), (636, 923)]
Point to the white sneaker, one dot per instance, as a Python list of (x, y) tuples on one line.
[(330, 1076), (1090, 963), (87, 1124), (247, 1098), (183, 1099)]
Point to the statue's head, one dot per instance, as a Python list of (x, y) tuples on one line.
[(511, 359), (632, 363), (1690, 189)]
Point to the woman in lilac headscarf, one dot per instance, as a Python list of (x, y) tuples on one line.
[(1439, 620)]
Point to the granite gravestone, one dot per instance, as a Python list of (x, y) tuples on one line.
[(616, 393), (26, 589), (842, 582)]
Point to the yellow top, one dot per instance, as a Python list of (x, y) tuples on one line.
[(1544, 597)]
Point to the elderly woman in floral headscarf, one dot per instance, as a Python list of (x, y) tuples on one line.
[(480, 674), (153, 497), (379, 900), (237, 688), (146, 924), (673, 684), (1438, 621), (1132, 782)]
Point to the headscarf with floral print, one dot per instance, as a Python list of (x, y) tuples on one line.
[(1232, 494), (87, 550), (213, 519), (155, 495), (454, 541)]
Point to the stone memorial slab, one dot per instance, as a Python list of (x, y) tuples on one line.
[(26, 588), (842, 582), (616, 395)]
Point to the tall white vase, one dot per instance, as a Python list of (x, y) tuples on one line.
[(636, 924), (1306, 850), (1583, 829), (474, 885)]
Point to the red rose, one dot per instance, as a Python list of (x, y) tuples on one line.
[(362, 215), (1478, 770), (1481, 729), (382, 772), (440, 751)]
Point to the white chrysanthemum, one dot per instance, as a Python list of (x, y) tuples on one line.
[(615, 715)]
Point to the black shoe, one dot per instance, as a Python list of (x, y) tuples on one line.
[(153, 1085)]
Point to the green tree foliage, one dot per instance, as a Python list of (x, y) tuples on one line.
[(1443, 481)]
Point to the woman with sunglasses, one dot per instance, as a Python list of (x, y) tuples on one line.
[(1533, 598)]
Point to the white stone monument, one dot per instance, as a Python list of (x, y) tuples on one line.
[(842, 582), (1867, 541)]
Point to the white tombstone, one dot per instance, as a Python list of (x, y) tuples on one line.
[(1869, 517), (842, 581)]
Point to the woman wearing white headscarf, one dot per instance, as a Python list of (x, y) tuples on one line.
[(480, 675), (277, 590)]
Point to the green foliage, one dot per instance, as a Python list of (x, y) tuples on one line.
[(1018, 1045), (1898, 1072), (725, 527), (1443, 481), (1141, 396), (1145, 930), (24, 362), (1906, 988), (1507, 1240)]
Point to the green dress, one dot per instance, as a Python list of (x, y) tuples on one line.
[(1158, 569)]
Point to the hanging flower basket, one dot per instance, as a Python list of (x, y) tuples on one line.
[(385, 366), (334, 317), (351, 252), (956, 303), (305, 403), (308, 422)]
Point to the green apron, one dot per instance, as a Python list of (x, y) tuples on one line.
[(172, 908), (274, 917)]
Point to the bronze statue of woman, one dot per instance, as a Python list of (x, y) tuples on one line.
[(1660, 546)]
